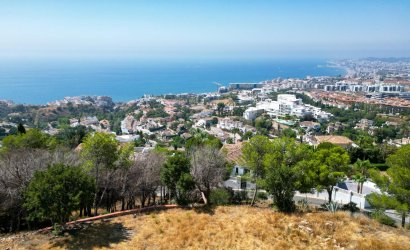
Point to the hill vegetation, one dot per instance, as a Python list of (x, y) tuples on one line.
[(226, 227)]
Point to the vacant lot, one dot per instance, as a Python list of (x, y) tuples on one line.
[(234, 227)]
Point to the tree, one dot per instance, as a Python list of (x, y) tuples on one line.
[(254, 153), (288, 132), (148, 167), (175, 175), (330, 164), (201, 138), (140, 142), (21, 129), (177, 142), (208, 169), (247, 135), (33, 138), (395, 185), (55, 193), (361, 173), (287, 172), (220, 108), (263, 125), (100, 152), (17, 168), (72, 136), (238, 111)]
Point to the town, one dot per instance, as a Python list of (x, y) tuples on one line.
[(365, 113)]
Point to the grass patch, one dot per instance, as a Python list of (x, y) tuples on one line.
[(229, 227)]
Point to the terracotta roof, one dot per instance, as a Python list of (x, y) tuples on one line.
[(334, 139), (233, 151)]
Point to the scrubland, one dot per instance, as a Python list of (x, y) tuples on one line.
[(225, 227)]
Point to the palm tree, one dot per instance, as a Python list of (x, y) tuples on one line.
[(361, 170)]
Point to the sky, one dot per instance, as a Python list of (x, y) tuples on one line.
[(213, 29)]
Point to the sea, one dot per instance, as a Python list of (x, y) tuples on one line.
[(42, 81)]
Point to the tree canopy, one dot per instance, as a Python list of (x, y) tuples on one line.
[(55, 193), (395, 185), (331, 165)]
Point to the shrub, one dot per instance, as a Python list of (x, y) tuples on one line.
[(380, 166), (262, 195), (220, 196), (351, 206), (382, 218), (331, 206), (53, 194), (239, 197), (303, 205), (57, 229)]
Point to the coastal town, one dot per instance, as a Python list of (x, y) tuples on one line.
[(363, 116), (240, 109), (307, 109), (205, 125)]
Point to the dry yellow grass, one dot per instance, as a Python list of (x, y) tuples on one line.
[(227, 228)]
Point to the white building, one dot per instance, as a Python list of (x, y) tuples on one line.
[(252, 113), (229, 124), (285, 105)]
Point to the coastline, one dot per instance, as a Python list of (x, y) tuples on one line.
[(43, 83)]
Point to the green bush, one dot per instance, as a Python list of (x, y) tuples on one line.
[(220, 196), (380, 166), (239, 197), (57, 229), (351, 206), (262, 195), (381, 217)]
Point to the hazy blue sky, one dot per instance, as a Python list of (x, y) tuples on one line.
[(208, 29)]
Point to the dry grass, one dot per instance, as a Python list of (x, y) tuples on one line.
[(228, 228)]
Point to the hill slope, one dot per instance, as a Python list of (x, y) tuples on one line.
[(235, 227)]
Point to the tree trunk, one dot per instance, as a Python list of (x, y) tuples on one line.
[(143, 200), (107, 202), (403, 219), (96, 190), (18, 221), (11, 224), (361, 187), (101, 198), (254, 196), (95, 203), (160, 198), (122, 203), (329, 192), (204, 198)]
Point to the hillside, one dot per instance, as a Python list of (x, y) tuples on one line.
[(224, 228)]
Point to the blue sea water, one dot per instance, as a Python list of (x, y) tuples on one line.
[(38, 82)]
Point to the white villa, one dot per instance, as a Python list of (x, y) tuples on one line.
[(285, 105)]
